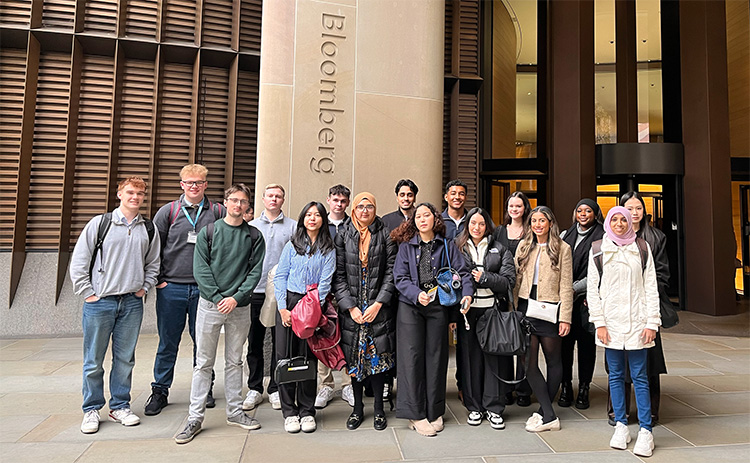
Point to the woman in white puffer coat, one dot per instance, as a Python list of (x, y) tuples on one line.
[(624, 306)]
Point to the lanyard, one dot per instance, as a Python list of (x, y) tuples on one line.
[(198, 214)]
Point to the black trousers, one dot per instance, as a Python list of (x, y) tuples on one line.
[(586, 352), (297, 399), (255, 342), (422, 358), (482, 388)]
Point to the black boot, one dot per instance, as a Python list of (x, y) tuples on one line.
[(210, 401), (566, 395), (582, 402)]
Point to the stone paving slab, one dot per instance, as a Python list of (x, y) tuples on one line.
[(705, 415)]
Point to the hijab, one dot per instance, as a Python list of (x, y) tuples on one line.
[(362, 227), (629, 236)]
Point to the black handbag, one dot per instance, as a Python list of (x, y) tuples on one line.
[(295, 369), (669, 317), (503, 333)]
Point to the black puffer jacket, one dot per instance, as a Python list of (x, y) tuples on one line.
[(346, 284), (499, 270)]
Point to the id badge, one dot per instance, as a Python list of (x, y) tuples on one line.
[(192, 237), (432, 292)]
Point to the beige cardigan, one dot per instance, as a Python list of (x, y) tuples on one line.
[(554, 285)]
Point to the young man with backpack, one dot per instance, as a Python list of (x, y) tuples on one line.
[(227, 264), (114, 264), (177, 293)]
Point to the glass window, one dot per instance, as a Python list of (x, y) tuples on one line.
[(605, 80), (648, 54)]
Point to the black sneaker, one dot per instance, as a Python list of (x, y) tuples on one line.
[(156, 401), (210, 401)]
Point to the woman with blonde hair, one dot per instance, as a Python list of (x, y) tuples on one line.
[(544, 267)]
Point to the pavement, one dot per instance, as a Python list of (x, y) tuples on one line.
[(705, 415)]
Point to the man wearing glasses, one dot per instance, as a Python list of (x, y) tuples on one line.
[(177, 293), (227, 263)]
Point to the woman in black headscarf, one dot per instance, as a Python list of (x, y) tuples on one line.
[(586, 229)]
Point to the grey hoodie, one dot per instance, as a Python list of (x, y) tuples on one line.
[(126, 264)]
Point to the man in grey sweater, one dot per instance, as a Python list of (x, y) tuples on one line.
[(277, 229), (123, 271), (177, 292)]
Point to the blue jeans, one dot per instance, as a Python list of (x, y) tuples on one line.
[(175, 303), (118, 318), (617, 360)]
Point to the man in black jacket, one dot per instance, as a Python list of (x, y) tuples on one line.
[(406, 197)]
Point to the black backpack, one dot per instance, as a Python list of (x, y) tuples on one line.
[(254, 235), (104, 223)]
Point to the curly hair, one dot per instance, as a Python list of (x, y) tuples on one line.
[(554, 243), (408, 228)]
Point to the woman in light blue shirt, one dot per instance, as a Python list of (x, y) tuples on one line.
[(308, 259)]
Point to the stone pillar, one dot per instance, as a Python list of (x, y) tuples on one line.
[(705, 127), (350, 92)]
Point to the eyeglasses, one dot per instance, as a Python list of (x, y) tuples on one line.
[(236, 201), (192, 184), (368, 207)]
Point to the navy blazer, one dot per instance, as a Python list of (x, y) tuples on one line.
[(406, 275)]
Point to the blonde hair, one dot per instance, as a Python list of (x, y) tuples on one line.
[(274, 186), (137, 182), (193, 169)]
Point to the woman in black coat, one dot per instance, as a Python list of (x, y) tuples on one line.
[(494, 275), (586, 229), (363, 285), (657, 240)]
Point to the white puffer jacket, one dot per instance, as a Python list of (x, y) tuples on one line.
[(627, 300)]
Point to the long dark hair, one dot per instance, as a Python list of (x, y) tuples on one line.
[(465, 236), (300, 239), (408, 228), (526, 208), (554, 243), (645, 230)]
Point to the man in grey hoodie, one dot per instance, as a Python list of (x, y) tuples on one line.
[(124, 269), (277, 229)]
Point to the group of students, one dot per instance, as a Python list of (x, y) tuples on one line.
[(383, 274)]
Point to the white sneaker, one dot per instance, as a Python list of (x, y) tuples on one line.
[(275, 401), (90, 423), (621, 437), (475, 419), (308, 424), (124, 416), (324, 396), (291, 424), (644, 445), (347, 394), (496, 420), (252, 400)]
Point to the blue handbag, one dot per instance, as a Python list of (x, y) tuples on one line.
[(449, 282)]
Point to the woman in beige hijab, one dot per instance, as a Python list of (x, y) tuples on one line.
[(363, 285)]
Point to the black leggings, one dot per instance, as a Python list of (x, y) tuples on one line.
[(545, 391), (377, 382)]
